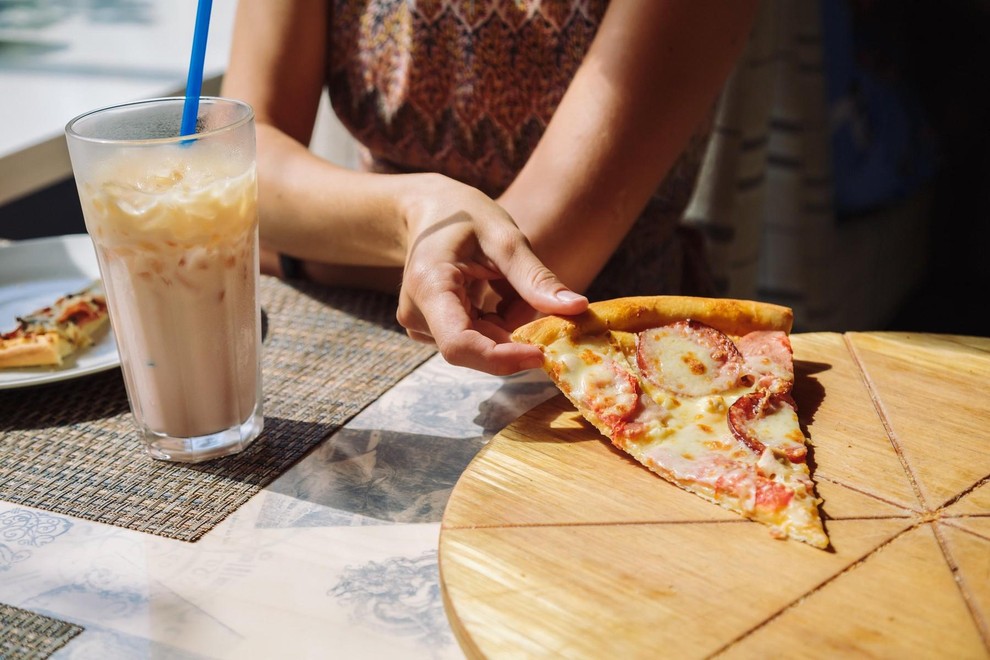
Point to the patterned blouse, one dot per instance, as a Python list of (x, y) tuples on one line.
[(466, 88)]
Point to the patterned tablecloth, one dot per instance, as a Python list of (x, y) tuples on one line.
[(335, 555), (79, 454)]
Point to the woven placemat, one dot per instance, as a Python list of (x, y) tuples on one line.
[(25, 635), (71, 448)]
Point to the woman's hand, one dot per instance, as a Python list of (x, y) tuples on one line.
[(471, 278)]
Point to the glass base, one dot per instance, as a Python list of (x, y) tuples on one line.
[(204, 447)]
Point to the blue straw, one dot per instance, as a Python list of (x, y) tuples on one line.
[(194, 83)]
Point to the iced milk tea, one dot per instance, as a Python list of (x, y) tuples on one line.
[(175, 231)]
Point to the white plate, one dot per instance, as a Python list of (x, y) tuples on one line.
[(33, 274)]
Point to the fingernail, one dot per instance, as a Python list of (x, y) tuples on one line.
[(567, 295)]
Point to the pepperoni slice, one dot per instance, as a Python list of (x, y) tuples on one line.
[(768, 355), (764, 419), (772, 495), (689, 358), (744, 484), (611, 391), (79, 312)]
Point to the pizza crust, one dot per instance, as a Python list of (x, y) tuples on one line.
[(45, 349), (633, 314)]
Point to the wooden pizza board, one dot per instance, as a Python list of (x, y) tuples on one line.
[(554, 544)]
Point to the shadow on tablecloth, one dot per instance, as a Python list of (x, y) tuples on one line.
[(71, 448)]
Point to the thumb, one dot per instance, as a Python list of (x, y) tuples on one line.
[(538, 286)]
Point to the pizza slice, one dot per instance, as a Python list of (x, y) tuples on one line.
[(46, 336), (698, 390)]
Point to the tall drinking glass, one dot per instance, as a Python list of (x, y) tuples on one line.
[(175, 225)]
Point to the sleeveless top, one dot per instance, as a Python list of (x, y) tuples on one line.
[(466, 88)]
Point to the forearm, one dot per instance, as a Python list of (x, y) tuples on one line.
[(650, 78), (315, 210)]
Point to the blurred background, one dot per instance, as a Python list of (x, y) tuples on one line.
[(901, 93), (908, 115)]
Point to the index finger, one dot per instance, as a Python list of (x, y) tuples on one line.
[(462, 343)]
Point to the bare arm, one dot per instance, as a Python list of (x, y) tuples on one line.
[(651, 74), (310, 208), (447, 239)]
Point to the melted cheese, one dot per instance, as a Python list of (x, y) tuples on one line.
[(593, 376), (686, 439), (780, 430)]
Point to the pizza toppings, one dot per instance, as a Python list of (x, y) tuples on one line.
[(689, 358), (609, 390), (697, 390), (80, 310), (766, 420), (752, 489), (598, 380), (768, 356), (47, 335)]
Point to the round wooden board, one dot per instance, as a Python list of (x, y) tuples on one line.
[(554, 544)]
